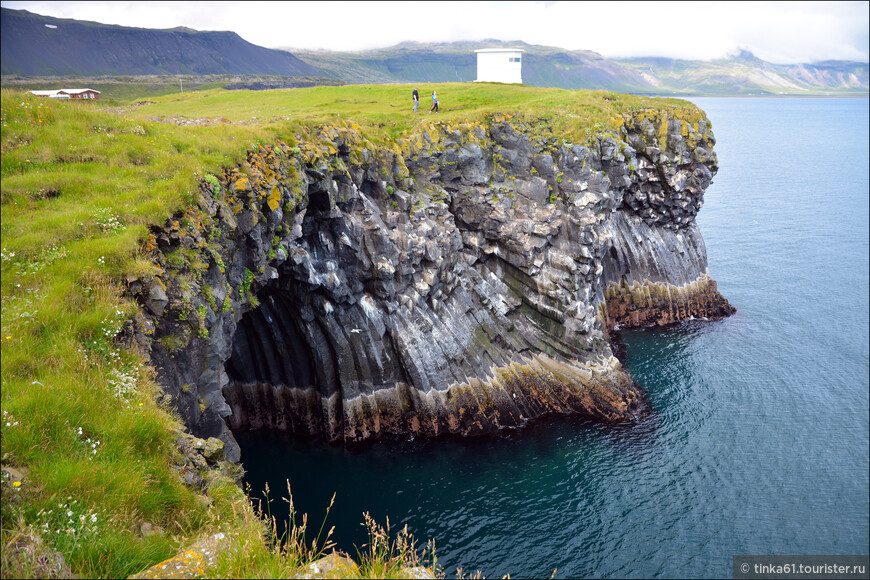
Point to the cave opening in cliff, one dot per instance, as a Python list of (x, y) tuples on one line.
[(279, 367)]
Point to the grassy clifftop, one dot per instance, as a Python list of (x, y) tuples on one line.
[(90, 461), (385, 110)]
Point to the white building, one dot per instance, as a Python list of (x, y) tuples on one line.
[(69, 94), (499, 65)]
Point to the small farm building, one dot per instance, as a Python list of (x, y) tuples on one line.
[(69, 94), (499, 65)]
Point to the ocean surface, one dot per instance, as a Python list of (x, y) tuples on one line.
[(759, 440)]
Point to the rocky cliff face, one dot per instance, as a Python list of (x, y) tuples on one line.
[(461, 280)]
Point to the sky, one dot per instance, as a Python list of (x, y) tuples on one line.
[(779, 32)]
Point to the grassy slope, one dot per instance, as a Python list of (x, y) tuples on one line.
[(81, 183)]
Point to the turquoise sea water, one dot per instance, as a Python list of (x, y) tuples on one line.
[(759, 441)]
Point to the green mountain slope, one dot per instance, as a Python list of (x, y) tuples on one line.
[(35, 45)]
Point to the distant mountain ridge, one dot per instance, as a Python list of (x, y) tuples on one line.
[(456, 61), (741, 74), (744, 73), (34, 45)]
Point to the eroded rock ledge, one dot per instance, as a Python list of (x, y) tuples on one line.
[(461, 280)]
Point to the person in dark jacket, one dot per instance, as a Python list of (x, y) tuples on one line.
[(416, 97)]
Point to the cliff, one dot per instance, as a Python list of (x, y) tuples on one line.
[(461, 279)]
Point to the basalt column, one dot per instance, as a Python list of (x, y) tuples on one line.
[(462, 280), (279, 368), (655, 266), (381, 323)]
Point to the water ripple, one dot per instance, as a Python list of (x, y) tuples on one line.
[(759, 439)]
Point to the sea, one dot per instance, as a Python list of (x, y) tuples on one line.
[(758, 444)]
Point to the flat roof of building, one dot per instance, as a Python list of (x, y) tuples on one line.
[(500, 50)]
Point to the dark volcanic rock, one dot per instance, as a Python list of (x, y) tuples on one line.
[(463, 285)]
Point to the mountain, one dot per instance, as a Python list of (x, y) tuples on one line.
[(741, 74), (34, 45), (745, 73), (456, 61)]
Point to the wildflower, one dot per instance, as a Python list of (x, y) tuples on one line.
[(94, 518), (69, 513), (16, 484)]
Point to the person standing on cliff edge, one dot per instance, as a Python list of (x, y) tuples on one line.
[(416, 97)]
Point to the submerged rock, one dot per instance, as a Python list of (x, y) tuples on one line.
[(463, 285)]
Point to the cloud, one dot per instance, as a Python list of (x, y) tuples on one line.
[(780, 32)]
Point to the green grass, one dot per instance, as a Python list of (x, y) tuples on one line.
[(82, 182), (385, 110), (132, 88)]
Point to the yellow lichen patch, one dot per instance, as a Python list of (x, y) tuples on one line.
[(150, 243), (663, 132), (274, 199), (241, 184)]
